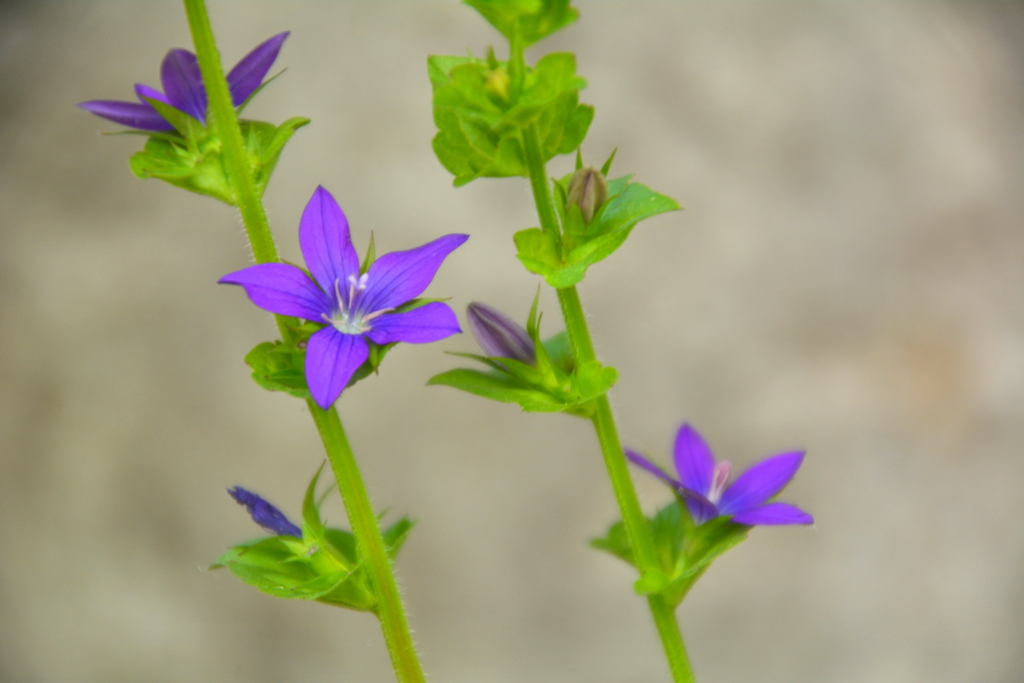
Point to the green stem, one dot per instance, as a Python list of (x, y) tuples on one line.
[(671, 639), (225, 120), (639, 532), (371, 544), (364, 523)]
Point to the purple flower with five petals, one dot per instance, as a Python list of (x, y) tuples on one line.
[(264, 514), (705, 484), (356, 306), (184, 89)]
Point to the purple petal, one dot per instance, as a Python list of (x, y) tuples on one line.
[(646, 464), (183, 84), (264, 514), (498, 335), (695, 463), (773, 514), (331, 358), (401, 276), (429, 323), (283, 289), (701, 509), (249, 72), (325, 242), (760, 483), (131, 114), (142, 90)]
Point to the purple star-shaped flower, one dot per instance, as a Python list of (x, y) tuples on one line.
[(356, 306), (184, 89), (705, 484), (264, 514)]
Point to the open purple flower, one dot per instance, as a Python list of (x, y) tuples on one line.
[(706, 487), (356, 306), (184, 89), (264, 514)]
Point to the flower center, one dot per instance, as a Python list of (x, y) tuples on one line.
[(348, 316), (719, 480)]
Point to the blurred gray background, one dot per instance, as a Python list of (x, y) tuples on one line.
[(846, 278)]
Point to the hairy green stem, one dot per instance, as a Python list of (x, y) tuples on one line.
[(371, 544), (604, 424), (365, 527)]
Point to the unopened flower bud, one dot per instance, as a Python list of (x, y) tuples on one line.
[(497, 84), (264, 514), (587, 190), (498, 335)]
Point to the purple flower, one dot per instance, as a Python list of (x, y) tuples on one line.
[(706, 487), (498, 335), (184, 89), (265, 514), (356, 306)]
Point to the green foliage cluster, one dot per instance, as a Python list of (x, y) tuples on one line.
[(481, 110), (324, 565), (554, 383), (192, 156), (684, 550), (563, 259)]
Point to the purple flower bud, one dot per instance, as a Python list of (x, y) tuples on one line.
[(265, 514), (587, 190), (498, 335)]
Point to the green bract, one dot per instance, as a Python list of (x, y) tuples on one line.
[(192, 159), (526, 21), (554, 384), (684, 551), (564, 261), (481, 109), (324, 565)]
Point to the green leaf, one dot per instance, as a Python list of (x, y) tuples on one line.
[(344, 542), (531, 20), (539, 251), (279, 367), (499, 388), (593, 380), (439, 66), (312, 526), (264, 144), (396, 535), (628, 204)]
